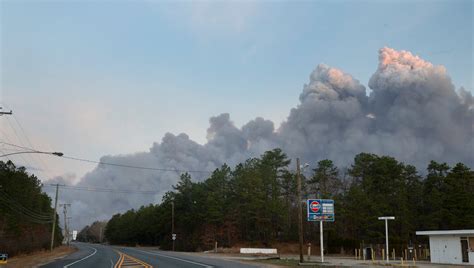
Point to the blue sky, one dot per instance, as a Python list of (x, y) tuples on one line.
[(92, 78)]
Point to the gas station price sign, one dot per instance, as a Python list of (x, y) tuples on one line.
[(320, 209)]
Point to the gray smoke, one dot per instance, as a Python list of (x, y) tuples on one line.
[(413, 113)]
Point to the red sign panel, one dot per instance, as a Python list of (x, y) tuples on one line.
[(314, 206)]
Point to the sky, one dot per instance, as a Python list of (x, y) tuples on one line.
[(95, 78)]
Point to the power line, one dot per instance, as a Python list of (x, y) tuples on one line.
[(6, 137), (118, 165), (30, 144), (136, 167), (103, 190), (25, 212), (16, 135), (42, 163), (18, 146), (15, 203)]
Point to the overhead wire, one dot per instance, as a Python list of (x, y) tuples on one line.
[(21, 147), (11, 200), (17, 146), (135, 167), (29, 142), (41, 162), (117, 165), (25, 212), (127, 166), (21, 156), (103, 190), (17, 136)]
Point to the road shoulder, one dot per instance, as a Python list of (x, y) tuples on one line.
[(39, 258)]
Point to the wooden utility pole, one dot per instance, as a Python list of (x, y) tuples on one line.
[(66, 229), (100, 234), (54, 217), (69, 230), (300, 209)]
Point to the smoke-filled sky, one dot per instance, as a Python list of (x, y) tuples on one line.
[(193, 85)]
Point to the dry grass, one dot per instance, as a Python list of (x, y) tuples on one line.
[(39, 257)]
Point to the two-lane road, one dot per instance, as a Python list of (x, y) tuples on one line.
[(88, 255), (93, 255)]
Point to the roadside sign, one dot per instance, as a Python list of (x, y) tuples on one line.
[(74, 235), (173, 236), (320, 209), (314, 206)]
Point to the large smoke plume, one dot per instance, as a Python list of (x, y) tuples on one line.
[(413, 113)]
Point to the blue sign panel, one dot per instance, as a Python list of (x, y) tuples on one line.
[(320, 210)]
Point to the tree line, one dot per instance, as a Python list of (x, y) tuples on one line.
[(93, 233), (255, 204), (26, 214)]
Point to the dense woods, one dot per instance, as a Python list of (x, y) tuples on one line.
[(26, 215), (255, 204)]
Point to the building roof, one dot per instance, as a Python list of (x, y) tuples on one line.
[(446, 232)]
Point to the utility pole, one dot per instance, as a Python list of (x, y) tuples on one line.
[(300, 213), (54, 217), (172, 223), (69, 226), (100, 234), (66, 230), (2, 113)]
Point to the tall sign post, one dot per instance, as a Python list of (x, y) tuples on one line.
[(386, 218), (320, 210)]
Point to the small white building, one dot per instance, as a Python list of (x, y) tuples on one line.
[(451, 246)]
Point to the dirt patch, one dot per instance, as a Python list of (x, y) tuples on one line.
[(39, 257), (283, 248)]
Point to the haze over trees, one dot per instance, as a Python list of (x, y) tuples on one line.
[(26, 213), (93, 233), (255, 204)]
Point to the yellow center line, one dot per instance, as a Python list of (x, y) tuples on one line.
[(121, 261), (117, 264), (130, 260)]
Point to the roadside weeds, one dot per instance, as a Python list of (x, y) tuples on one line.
[(39, 258)]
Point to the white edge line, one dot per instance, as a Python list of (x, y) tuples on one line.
[(88, 256), (166, 256)]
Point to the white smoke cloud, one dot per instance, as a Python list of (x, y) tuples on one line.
[(419, 111), (413, 113)]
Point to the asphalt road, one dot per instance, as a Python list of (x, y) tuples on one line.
[(88, 255), (93, 255)]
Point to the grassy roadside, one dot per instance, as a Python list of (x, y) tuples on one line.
[(277, 262), (292, 263), (39, 257)]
